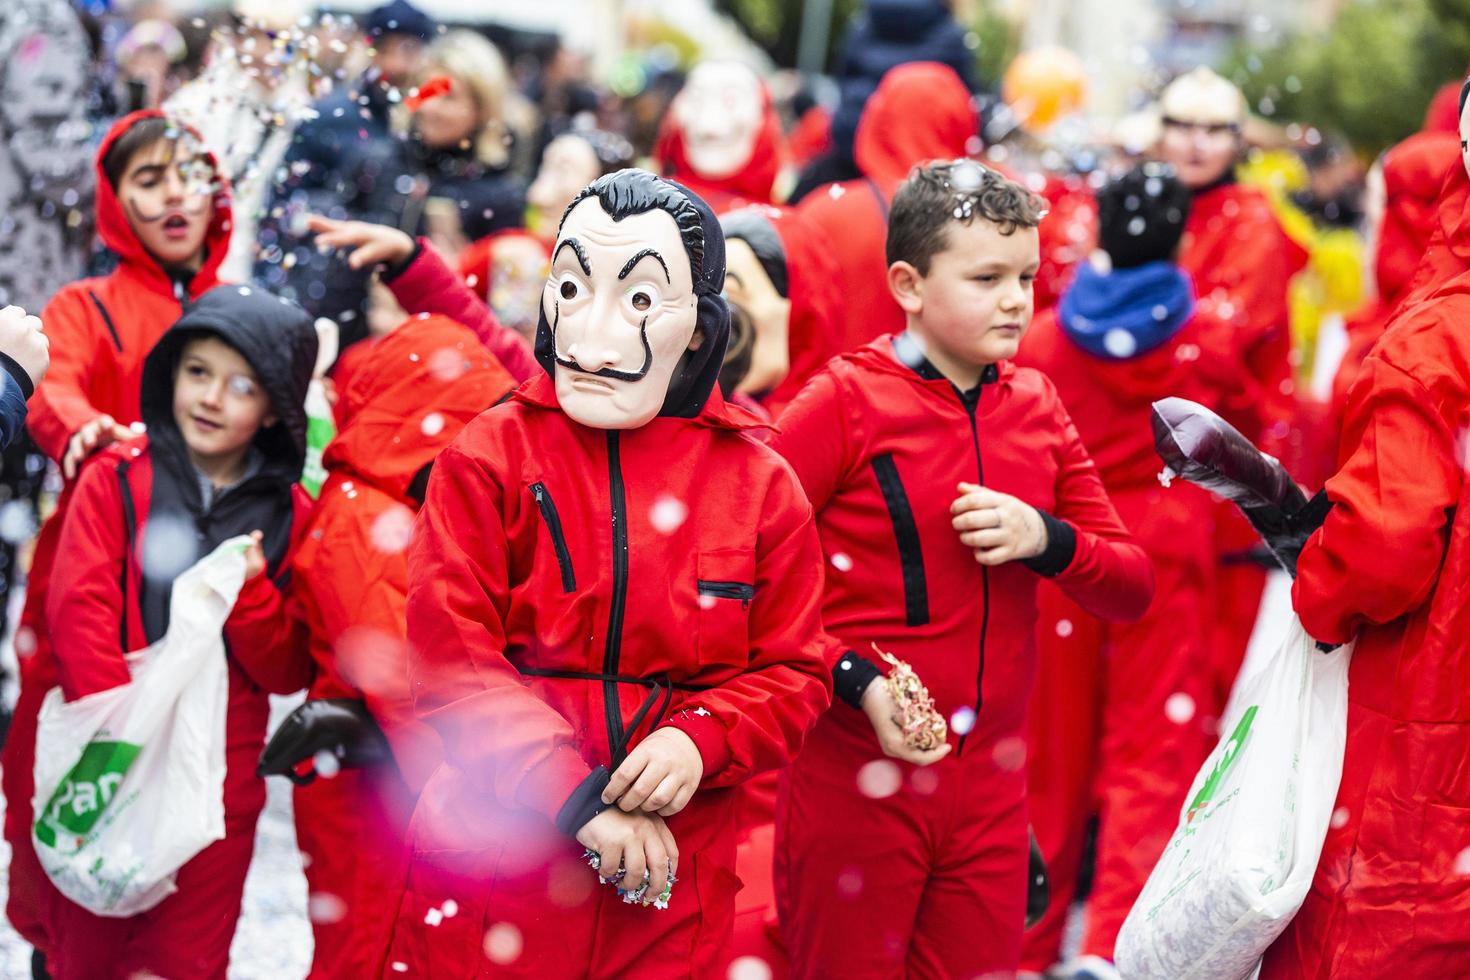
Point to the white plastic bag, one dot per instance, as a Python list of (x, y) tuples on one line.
[(130, 781), (1243, 856)]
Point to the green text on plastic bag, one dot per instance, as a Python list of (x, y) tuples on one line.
[(83, 794), (1232, 752)]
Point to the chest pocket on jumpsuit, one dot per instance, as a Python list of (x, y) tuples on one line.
[(725, 587)]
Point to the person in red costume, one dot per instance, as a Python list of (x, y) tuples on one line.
[(409, 395), (781, 272), (920, 112), (948, 483), (161, 208), (223, 396), (721, 137), (1412, 175), (1241, 261), (1448, 252), (1389, 568), (1116, 724), (614, 620)]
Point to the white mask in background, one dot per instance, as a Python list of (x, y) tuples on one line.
[(719, 111)]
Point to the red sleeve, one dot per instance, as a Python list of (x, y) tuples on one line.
[(266, 632), (756, 721), (85, 602), (61, 404), (500, 736), (1378, 554), (428, 285), (813, 437), (1109, 575)]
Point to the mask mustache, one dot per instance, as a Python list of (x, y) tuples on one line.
[(606, 372)]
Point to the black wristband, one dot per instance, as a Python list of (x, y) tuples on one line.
[(851, 676), (13, 368), (584, 803), (391, 272), (1061, 546)]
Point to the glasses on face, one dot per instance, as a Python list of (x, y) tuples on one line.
[(1213, 130)]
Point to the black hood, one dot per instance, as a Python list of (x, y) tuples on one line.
[(275, 335), (630, 192)]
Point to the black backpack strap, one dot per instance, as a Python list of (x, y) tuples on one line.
[(130, 534)]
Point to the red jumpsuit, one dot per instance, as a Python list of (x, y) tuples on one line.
[(100, 330), (754, 183), (1242, 262), (1391, 567), (1118, 716), (407, 398), (884, 869), (1413, 173), (562, 578), (920, 112)]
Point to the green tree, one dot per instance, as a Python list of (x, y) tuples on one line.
[(1369, 77), (775, 25)]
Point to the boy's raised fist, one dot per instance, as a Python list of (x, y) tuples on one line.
[(22, 339)]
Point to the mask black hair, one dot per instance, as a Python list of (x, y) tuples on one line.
[(140, 136), (755, 230), (630, 192)]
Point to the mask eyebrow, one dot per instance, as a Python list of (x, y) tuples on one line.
[(581, 254), (646, 253)]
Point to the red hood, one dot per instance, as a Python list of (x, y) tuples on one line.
[(431, 366), (921, 111), (1443, 115), (716, 414), (812, 284), (752, 183), (1413, 175), (1448, 252), (117, 234)]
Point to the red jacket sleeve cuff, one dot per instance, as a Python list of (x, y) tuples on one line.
[(708, 735), (548, 785)]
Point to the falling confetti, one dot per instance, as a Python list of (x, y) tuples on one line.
[(392, 530), (879, 779), (1179, 708), (1064, 628), (503, 943), (324, 908), (749, 968), (668, 514), (432, 425), (841, 561)]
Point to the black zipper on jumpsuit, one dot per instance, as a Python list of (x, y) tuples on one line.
[(613, 651), (558, 538), (970, 406)]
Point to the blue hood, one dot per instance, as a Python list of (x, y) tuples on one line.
[(1126, 313)]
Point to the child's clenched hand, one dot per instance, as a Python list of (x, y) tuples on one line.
[(254, 556), (631, 847), (879, 707), (659, 776), (999, 527)]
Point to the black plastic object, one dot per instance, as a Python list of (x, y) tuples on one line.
[(1199, 446), (1038, 885), (340, 726)]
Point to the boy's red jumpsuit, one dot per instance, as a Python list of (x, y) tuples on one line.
[(1119, 713), (1242, 261), (753, 183), (884, 869), (100, 330), (407, 397), (570, 590), (1391, 568)]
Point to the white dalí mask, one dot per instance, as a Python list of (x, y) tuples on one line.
[(719, 110), (621, 304)]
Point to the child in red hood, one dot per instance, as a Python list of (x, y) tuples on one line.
[(721, 137), (948, 484), (166, 214), (409, 395), (1116, 715), (223, 398)]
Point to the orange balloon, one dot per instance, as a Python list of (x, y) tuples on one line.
[(1043, 85)]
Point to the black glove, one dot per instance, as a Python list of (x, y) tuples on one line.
[(1038, 888), (341, 726), (1207, 451)]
